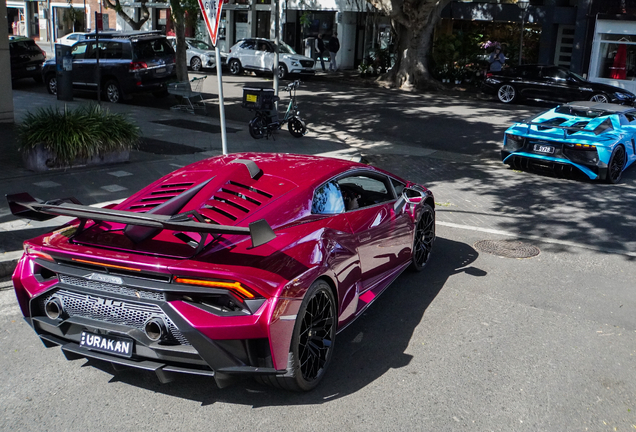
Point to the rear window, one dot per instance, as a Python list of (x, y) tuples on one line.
[(24, 46), (147, 49)]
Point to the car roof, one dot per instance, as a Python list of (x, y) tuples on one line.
[(126, 34), (20, 39), (600, 106)]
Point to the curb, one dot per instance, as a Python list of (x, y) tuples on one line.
[(8, 261)]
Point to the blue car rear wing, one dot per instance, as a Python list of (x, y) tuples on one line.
[(604, 126)]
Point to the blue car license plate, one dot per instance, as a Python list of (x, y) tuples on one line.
[(540, 148), (115, 345)]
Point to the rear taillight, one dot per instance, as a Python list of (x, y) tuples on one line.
[(34, 252), (235, 287), (488, 74), (135, 66), (44, 54)]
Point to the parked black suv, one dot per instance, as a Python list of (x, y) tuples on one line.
[(26, 58), (129, 62)]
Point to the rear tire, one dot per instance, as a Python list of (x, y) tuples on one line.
[(296, 127), (258, 127), (615, 165), (112, 92), (312, 342), (51, 84)]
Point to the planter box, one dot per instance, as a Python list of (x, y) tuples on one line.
[(40, 159)]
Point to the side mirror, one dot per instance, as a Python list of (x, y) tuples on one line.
[(410, 196)]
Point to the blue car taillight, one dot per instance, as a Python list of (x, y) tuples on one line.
[(514, 142), (581, 153)]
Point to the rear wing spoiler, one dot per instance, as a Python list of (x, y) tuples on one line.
[(602, 127), (25, 206)]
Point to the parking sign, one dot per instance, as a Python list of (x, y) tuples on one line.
[(211, 10)]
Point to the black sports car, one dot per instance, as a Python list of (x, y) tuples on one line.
[(550, 83)]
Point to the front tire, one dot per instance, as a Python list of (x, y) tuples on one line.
[(51, 84), (615, 165), (506, 94), (258, 127), (312, 342), (235, 67), (112, 91), (282, 71), (195, 64), (423, 238), (600, 97), (296, 127)]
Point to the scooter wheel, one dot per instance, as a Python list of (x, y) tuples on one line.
[(297, 127), (258, 128)]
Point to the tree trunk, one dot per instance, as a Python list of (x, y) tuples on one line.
[(178, 18), (414, 42)]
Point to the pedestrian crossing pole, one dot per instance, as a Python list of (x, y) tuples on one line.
[(211, 11)]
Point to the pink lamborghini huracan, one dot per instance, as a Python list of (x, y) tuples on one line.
[(238, 265)]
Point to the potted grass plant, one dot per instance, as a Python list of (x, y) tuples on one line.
[(62, 138)]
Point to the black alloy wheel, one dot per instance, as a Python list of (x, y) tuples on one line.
[(296, 127), (506, 93), (615, 165), (112, 92), (600, 97), (51, 84), (235, 67), (424, 238), (195, 64), (258, 127)]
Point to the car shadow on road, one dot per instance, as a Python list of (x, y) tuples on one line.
[(374, 344)]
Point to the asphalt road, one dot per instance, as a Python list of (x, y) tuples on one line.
[(475, 342)]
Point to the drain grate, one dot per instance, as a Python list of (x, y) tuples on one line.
[(507, 248)]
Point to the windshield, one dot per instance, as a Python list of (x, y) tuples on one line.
[(199, 44), (578, 76), (285, 49)]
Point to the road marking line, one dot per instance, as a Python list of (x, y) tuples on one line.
[(536, 238)]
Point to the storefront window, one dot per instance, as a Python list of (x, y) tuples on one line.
[(617, 60)]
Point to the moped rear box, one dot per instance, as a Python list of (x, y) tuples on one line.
[(258, 98)]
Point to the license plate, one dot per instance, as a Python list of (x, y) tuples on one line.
[(161, 70), (30, 68), (115, 345), (543, 148)]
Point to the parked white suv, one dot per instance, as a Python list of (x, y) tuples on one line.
[(257, 55)]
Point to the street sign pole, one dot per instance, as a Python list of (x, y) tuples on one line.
[(211, 10)]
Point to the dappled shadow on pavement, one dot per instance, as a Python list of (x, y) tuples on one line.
[(374, 344), (594, 214)]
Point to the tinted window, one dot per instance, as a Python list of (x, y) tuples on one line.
[(200, 45), (328, 199), (398, 186), (79, 51), (248, 44), (555, 72), (363, 191), (529, 72), (148, 49)]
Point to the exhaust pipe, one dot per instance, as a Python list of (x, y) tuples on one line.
[(155, 329), (53, 308)]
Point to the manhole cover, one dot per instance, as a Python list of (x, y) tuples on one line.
[(507, 248)]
